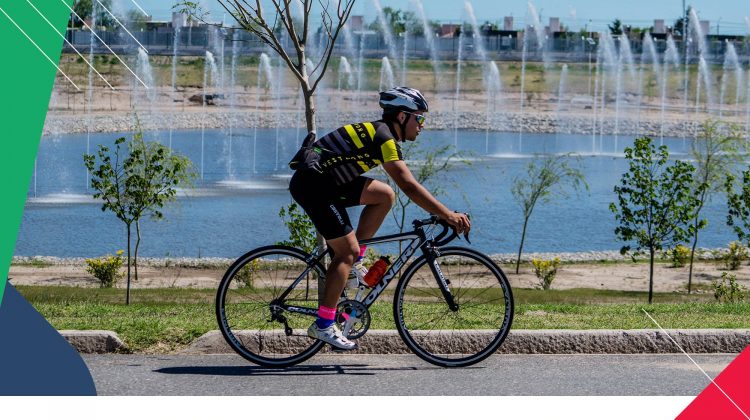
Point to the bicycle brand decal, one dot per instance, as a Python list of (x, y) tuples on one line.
[(395, 267), (306, 311), (441, 276)]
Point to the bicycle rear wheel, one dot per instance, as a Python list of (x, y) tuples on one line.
[(251, 314), (454, 338)]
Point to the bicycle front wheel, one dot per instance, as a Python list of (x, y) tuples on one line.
[(251, 306), (461, 337)]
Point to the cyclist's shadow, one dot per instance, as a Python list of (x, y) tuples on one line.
[(303, 370)]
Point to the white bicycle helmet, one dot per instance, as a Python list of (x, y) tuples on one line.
[(403, 99)]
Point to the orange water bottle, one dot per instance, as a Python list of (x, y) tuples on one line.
[(375, 273)]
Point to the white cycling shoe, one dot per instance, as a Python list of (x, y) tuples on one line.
[(331, 335), (360, 271)]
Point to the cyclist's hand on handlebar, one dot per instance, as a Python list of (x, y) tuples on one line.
[(460, 221)]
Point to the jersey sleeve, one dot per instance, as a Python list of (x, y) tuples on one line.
[(388, 147)]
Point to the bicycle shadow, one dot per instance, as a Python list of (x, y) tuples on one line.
[(304, 370)]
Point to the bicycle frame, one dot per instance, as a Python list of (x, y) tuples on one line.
[(420, 237)]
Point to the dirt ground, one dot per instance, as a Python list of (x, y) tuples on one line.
[(624, 276)]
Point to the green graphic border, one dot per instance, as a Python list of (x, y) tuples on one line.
[(27, 79)]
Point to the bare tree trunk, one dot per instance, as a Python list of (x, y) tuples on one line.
[(651, 276), (520, 248), (692, 256), (309, 109), (137, 245), (695, 237), (127, 286)]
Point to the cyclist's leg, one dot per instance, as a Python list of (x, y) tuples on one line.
[(378, 199), (345, 251)]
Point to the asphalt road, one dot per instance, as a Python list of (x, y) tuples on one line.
[(535, 374)]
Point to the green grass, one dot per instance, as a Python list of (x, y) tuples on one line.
[(162, 320), (35, 263)]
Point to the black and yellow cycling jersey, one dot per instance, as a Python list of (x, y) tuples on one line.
[(354, 149)]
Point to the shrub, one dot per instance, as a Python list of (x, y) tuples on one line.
[(545, 271), (735, 255), (679, 255), (246, 275), (301, 229), (106, 269), (727, 290)]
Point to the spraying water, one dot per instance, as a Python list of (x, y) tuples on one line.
[(345, 81), (175, 44), (386, 75), (387, 33), (704, 76), (671, 61), (265, 78), (430, 39), (731, 67), (561, 91), (458, 88), (494, 90), (650, 56), (209, 69)]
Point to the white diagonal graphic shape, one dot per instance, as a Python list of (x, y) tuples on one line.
[(104, 43), (68, 42), (696, 364), (37, 47), (139, 6), (120, 23)]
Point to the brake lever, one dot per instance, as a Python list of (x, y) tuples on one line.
[(466, 236)]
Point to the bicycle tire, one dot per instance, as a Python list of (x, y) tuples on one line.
[(243, 306), (485, 308)]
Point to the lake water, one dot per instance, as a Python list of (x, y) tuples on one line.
[(234, 208)]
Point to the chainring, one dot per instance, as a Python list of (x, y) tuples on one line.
[(356, 325)]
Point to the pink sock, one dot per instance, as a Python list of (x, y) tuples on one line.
[(326, 313)]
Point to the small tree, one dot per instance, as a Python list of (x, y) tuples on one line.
[(544, 180), (85, 10), (140, 183), (655, 202), (615, 28), (301, 228), (718, 149), (738, 203)]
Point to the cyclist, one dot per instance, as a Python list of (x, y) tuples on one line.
[(326, 187)]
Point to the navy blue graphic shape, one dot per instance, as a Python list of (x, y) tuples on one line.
[(34, 358)]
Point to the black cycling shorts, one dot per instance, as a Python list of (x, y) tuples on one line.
[(325, 202)]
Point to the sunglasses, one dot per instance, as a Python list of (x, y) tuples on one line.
[(419, 117)]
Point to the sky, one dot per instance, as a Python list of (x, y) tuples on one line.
[(731, 16)]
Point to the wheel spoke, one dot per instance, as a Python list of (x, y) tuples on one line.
[(249, 308), (478, 287)]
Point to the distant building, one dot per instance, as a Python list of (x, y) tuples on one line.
[(705, 27), (508, 23), (179, 20), (448, 30), (659, 27), (356, 22), (554, 25)]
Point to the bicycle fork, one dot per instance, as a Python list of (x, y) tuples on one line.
[(431, 253)]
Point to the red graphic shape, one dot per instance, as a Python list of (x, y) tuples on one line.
[(711, 403)]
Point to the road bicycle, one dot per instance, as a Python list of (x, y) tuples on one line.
[(453, 306)]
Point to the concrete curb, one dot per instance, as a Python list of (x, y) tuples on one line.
[(517, 342), (538, 342), (94, 341)]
